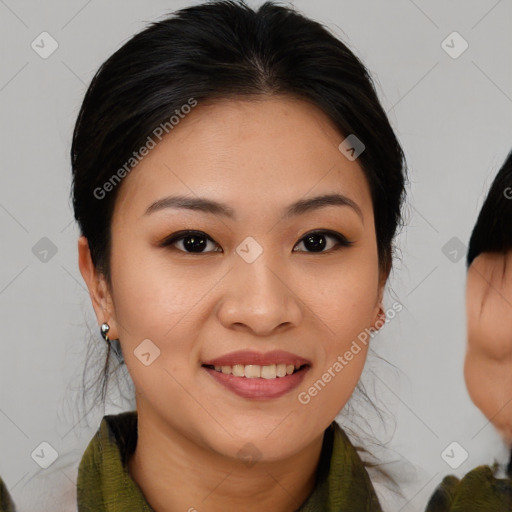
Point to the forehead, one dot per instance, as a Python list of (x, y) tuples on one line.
[(247, 153)]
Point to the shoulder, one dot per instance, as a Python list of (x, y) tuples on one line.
[(103, 478), (117, 434), (348, 473), (478, 491)]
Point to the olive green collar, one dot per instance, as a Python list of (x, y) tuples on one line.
[(105, 485), (478, 491)]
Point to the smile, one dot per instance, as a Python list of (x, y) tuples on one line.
[(254, 371)]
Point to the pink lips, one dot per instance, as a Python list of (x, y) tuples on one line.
[(259, 388)]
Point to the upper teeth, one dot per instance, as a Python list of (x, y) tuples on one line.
[(253, 371)]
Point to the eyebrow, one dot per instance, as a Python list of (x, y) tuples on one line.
[(300, 207)]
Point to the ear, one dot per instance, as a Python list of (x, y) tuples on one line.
[(98, 289), (379, 314)]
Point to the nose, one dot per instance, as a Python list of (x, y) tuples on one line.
[(259, 298)]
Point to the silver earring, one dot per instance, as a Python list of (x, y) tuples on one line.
[(104, 331), (114, 344)]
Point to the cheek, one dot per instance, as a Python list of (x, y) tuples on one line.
[(489, 307), (343, 296), (157, 302), (489, 384), (343, 304), (153, 298), (489, 323)]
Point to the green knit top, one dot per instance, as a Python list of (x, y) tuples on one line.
[(342, 482), (105, 485), (478, 491)]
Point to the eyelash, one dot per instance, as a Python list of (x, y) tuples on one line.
[(180, 235)]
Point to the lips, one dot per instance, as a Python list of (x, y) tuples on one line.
[(249, 357), (258, 388)]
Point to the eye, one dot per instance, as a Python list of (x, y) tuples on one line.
[(193, 241), (315, 240), (196, 241)]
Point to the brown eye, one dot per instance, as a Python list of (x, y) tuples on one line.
[(195, 242), (192, 242), (316, 241)]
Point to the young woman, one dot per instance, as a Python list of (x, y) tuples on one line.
[(488, 362), (238, 188)]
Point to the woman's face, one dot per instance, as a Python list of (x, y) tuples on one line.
[(250, 280), (488, 364)]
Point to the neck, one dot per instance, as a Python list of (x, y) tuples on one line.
[(176, 473)]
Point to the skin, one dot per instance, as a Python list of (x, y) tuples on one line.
[(488, 362), (257, 156)]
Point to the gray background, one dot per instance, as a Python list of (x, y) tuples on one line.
[(452, 116)]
